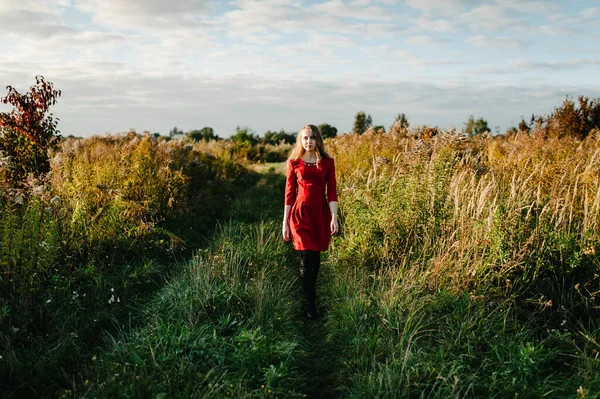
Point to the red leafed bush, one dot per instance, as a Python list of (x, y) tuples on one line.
[(27, 132)]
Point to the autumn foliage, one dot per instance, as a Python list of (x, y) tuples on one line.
[(27, 131)]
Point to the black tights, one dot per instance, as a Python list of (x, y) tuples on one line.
[(310, 262)]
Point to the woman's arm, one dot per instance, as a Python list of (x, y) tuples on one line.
[(334, 222), (332, 197), (285, 230), (290, 198)]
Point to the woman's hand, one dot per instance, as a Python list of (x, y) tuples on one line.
[(334, 226), (285, 230)]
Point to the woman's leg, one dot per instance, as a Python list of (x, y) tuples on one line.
[(316, 267), (309, 269)]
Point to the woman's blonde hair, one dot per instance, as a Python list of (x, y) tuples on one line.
[(298, 150)]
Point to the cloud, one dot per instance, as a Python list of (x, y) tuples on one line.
[(442, 5), (147, 15), (289, 17), (331, 40), (495, 42), (426, 41), (493, 18), (437, 25), (527, 65), (590, 13), (35, 22), (356, 10)]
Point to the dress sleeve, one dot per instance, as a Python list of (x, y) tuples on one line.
[(331, 183), (290, 185)]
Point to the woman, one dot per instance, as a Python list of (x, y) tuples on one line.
[(310, 213)]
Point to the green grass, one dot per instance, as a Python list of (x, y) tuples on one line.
[(396, 339), (227, 323)]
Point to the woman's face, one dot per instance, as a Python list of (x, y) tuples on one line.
[(308, 140)]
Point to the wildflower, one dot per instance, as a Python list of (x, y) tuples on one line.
[(262, 387), (75, 295), (93, 358), (38, 191), (19, 199), (49, 300), (563, 323), (381, 161), (111, 300)]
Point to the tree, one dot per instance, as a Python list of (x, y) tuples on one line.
[(523, 126), (401, 122), (327, 131), (362, 122), (244, 136), (26, 132), (274, 138), (474, 127), (206, 134), (575, 121), (174, 132)]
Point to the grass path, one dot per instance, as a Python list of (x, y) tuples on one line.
[(317, 363), (229, 322)]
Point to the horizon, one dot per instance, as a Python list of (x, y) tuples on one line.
[(280, 64)]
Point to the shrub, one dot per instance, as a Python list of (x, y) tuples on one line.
[(27, 132)]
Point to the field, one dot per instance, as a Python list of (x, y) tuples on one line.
[(464, 268)]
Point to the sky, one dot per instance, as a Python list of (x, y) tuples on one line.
[(151, 65)]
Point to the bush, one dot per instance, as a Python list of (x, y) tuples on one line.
[(27, 132)]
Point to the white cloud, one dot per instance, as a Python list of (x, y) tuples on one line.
[(426, 41), (528, 65), (31, 24), (438, 25), (357, 10), (589, 13), (289, 17), (495, 42), (493, 18), (147, 15), (331, 40), (441, 5)]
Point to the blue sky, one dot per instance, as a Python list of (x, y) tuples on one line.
[(280, 64)]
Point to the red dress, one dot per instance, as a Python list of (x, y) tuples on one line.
[(310, 216)]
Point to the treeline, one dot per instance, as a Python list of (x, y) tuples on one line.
[(571, 119)]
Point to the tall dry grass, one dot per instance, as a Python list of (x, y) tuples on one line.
[(519, 215), (466, 268)]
